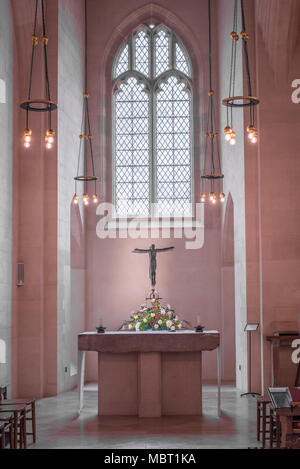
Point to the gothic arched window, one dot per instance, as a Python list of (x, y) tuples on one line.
[(152, 125)]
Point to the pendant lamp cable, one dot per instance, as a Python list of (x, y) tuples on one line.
[(212, 161), (42, 104), (86, 135)]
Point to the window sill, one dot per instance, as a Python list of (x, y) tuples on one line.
[(143, 223)]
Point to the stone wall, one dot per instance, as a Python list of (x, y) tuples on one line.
[(6, 200)]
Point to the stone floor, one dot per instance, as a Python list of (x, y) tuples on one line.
[(60, 426)]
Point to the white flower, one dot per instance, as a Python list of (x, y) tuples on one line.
[(156, 326), (168, 306), (163, 311), (153, 301), (137, 326), (170, 314), (160, 322), (136, 316), (173, 328), (152, 315), (180, 325), (169, 324), (176, 318), (129, 326), (145, 320)]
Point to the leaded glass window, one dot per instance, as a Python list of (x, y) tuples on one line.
[(152, 125)]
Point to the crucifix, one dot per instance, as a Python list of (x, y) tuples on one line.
[(152, 251)]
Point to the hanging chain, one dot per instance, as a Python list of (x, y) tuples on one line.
[(245, 38), (34, 43), (45, 42), (86, 135)]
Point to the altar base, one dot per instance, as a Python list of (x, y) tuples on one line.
[(150, 384)]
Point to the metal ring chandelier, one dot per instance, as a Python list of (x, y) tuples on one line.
[(39, 104), (86, 145), (244, 101), (211, 175)]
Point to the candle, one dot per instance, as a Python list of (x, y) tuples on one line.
[(198, 321)]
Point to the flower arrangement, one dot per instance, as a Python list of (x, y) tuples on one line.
[(153, 318)]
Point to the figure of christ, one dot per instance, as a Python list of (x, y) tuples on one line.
[(152, 251)]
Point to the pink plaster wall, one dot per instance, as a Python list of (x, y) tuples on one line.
[(252, 203), (193, 282), (47, 319), (271, 173), (70, 228), (228, 292), (34, 222), (117, 281), (278, 169)]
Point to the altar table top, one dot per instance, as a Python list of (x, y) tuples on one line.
[(148, 341)]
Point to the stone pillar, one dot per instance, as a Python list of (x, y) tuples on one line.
[(149, 385)]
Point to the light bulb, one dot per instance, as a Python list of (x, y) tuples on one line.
[(232, 138), (75, 199), (203, 197), (228, 131), (222, 197), (27, 137), (212, 196), (86, 199), (252, 133), (95, 198), (49, 138), (214, 201)]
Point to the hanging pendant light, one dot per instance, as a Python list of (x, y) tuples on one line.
[(211, 175), (39, 104), (234, 101), (86, 146)]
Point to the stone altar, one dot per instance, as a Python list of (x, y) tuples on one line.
[(148, 374)]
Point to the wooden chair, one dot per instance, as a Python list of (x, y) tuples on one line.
[(19, 423), (6, 425), (297, 381), (275, 423), (3, 392), (290, 436), (265, 421), (2, 436), (30, 409)]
